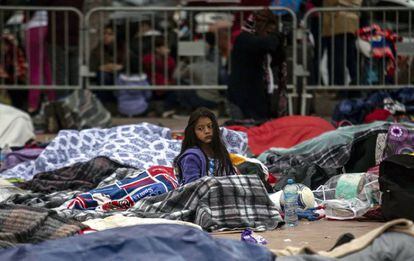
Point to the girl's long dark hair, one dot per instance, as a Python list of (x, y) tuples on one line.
[(225, 167)]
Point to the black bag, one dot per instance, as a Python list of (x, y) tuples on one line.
[(396, 180)]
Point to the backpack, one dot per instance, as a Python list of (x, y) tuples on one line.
[(133, 102), (396, 180)]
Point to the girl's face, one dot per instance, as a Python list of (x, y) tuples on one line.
[(204, 130), (108, 36), (162, 50)]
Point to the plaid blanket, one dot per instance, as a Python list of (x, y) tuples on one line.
[(330, 150), (23, 224), (81, 176), (214, 203)]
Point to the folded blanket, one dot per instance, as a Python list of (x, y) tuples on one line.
[(22, 224)]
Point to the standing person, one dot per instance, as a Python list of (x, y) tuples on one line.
[(63, 41), (338, 30), (37, 56), (250, 86), (202, 152)]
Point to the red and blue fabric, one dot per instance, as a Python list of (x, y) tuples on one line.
[(125, 193)]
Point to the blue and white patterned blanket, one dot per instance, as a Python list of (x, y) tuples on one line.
[(138, 146)]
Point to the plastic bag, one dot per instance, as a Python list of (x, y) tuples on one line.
[(348, 196)]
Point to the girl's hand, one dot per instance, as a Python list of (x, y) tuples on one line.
[(3, 73)]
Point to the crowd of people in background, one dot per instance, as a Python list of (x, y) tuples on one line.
[(246, 53)]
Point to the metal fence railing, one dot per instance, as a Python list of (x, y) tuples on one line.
[(41, 48), (199, 41), (188, 48), (362, 48)]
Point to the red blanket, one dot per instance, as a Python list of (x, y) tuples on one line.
[(284, 132)]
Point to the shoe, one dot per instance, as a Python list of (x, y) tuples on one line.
[(168, 114)]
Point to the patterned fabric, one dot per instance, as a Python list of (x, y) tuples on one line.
[(138, 146), (86, 110), (15, 157), (125, 193), (81, 176), (382, 44), (252, 166), (13, 67), (22, 224), (211, 202), (215, 203), (380, 147), (40, 200), (329, 150), (400, 140)]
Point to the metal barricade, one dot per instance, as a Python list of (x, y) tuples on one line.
[(41, 48), (199, 40), (362, 48)]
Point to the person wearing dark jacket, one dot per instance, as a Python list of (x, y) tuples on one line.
[(250, 84)]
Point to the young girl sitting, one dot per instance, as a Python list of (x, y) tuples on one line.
[(203, 152)]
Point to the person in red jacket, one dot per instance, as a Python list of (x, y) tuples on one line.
[(159, 67), (157, 71)]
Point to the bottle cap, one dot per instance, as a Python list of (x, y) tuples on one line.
[(290, 181)]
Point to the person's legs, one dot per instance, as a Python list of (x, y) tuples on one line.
[(314, 28), (339, 59), (47, 69), (33, 46), (73, 69), (351, 57)]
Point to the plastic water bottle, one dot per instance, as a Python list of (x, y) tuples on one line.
[(290, 193)]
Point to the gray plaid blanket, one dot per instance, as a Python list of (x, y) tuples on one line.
[(214, 203)]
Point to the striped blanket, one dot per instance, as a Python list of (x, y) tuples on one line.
[(125, 193), (23, 224)]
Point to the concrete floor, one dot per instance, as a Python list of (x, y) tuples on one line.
[(319, 235)]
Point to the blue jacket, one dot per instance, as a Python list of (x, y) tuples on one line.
[(191, 165)]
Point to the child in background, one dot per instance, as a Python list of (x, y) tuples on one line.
[(202, 152), (159, 68)]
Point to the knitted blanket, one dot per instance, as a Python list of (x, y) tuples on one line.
[(23, 224)]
